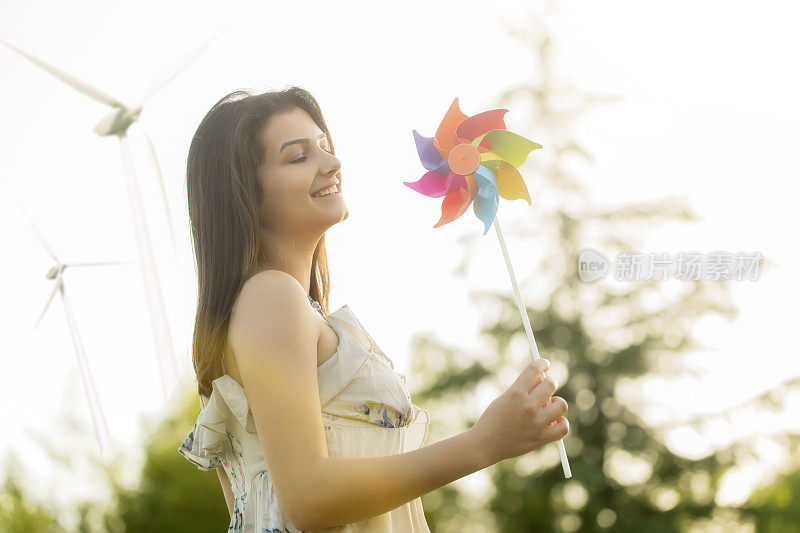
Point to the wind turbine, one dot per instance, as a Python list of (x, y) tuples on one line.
[(117, 123), (56, 272)]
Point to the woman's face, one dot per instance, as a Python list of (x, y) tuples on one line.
[(297, 163)]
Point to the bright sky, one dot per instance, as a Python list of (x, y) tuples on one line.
[(709, 113)]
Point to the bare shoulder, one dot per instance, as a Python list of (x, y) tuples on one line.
[(267, 283), (270, 295), (272, 310)]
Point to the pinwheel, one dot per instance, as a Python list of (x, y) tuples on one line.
[(475, 160), (472, 160)]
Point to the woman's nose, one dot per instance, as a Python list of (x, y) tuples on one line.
[(334, 164)]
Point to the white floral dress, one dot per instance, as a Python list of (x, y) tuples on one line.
[(366, 412)]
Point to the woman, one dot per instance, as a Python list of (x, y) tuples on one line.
[(304, 418)]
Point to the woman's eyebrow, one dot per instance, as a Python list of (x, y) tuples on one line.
[(296, 141)]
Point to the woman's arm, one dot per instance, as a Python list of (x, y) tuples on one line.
[(274, 340), (226, 488), (351, 489)]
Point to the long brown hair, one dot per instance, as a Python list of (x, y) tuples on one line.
[(224, 194)]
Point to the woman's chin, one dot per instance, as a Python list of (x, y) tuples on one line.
[(335, 209)]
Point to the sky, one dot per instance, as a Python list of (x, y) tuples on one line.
[(708, 112)]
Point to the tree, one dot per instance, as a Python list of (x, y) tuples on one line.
[(163, 493), (624, 477), (774, 505), (18, 514), (171, 494)]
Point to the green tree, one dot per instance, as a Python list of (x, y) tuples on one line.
[(775, 505), (625, 479), (165, 493), (18, 513), (171, 494)]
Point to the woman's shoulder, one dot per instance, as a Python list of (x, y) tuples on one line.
[(272, 310), (269, 291), (271, 279)]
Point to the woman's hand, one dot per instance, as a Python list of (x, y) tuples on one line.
[(523, 418)]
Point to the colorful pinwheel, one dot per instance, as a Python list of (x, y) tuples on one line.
[(476, 159), (472, 159)]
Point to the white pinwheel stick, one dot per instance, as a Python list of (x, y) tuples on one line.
[(528, 330)]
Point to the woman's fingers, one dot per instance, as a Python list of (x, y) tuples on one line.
[(544, 390), (528, 378), (557, 431), (556, 408)]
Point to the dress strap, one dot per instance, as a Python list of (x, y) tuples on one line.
[(316, 306)]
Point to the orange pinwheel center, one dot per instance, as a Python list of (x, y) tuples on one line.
[(464, 159)]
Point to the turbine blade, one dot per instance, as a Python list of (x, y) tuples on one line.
[(47, 248), (99, 264), (170, 73), (163, 189), (50, 299), (69, 79)]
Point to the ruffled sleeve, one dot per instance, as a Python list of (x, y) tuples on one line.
[(208, 441), (195, 451)]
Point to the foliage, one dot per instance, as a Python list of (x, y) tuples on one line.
[(172, 494), (597, 337), (18, 513)]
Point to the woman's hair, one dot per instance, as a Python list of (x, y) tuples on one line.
[(224, 196)]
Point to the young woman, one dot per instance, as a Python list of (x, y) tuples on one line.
[(304, 417)]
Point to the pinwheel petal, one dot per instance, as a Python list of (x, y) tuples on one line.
[(445, 137), (472, 185), (510, 146), (429, 155), (485, 209), (454, 205), (479, 124), (432, 184), (490, 156), (510, 184), (487, 184), (478, 140), (454, 180)]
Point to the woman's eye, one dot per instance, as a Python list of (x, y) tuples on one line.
[(303, 158)]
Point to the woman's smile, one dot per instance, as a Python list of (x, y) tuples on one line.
[(331, 192)]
